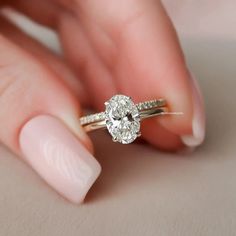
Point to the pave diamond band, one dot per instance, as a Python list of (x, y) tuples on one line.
[(122, 117), (151, 104), (157, 103), (86, 120)]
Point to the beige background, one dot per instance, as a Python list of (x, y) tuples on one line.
[(142, 191)]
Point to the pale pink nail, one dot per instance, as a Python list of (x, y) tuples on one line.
[(58, 157), (198, 123)]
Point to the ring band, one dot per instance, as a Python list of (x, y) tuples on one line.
[(147, 109), (122, 117)]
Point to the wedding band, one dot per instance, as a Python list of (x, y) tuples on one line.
[(122, 117)]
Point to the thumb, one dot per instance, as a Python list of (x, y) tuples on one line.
[(39, 121)]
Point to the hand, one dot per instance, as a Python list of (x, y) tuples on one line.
[(126, 46)]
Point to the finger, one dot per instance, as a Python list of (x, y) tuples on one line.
[(39, 121), (86, 61), (100, 80), (53, 60), (149, 62), (81, 55)]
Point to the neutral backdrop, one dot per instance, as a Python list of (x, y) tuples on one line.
[(142, 191)]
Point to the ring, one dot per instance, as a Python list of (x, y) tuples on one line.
[(122, 117)]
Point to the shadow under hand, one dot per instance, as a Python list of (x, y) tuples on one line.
[(127, 167)]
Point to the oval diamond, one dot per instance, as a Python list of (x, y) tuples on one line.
[(122, 119)]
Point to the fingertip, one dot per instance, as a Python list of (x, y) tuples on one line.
[(197, 135), (58, 157)]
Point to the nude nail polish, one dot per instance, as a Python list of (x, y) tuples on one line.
[(198, 122), (58, 157)]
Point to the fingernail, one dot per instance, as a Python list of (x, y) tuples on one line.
[(198, 123), (58, 157)]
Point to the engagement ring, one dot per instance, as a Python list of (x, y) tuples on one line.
[(122, 117)]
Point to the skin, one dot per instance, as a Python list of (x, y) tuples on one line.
[(110, 47)]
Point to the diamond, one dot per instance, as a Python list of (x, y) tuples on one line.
[(122, 119)]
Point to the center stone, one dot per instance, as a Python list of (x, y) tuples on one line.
[(122, 119)]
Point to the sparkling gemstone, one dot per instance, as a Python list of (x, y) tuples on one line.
[(122, 119)]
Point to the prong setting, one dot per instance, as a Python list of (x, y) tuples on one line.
[(139, 134), (114, 140)]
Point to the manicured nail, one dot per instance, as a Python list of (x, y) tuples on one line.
[(58, 157), (198, 123)]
